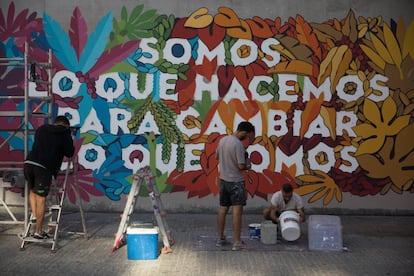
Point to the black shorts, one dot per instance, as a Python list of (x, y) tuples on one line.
[(38, 179), (232, 193)]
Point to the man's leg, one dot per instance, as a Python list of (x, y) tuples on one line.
[(237, 222), (270, 213), (32, 201), (221, 221), (40, 212)]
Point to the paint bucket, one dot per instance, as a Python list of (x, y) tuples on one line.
[(289, 225), (254, 231), (268, 232)]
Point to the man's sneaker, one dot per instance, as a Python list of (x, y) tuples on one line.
[(41, 236), (221, 242), (237, 246)]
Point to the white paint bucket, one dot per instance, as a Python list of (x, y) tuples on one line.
[(268, 232), (289, 225)]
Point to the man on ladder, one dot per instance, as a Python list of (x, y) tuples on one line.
[(51, 144)]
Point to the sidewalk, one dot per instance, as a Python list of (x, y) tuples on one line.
[(377, 245)]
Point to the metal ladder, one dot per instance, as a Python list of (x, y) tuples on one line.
[(144, 174), (55, 202)]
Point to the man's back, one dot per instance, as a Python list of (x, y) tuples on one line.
[(231, 153), (52, 143)]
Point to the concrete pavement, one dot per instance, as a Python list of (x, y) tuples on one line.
[(377, 245)]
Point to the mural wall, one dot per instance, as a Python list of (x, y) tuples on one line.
[(332, 101)]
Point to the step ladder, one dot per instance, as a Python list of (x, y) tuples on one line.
[(54, 202), (144, 175)]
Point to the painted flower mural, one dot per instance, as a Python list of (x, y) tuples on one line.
[(332, 101)]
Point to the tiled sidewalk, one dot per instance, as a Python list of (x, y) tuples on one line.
[(377, 245)]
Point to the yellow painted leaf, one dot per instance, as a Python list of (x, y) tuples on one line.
[(373, 56), (338, 195), (388, 110), (336, 61), (381, 49), (292, 67), (343, 65), (400, 32), (337, 57), (398, 124), (371, 111), (310, 178), (281, 49), (370, 146), (405, 141), (392, 45), (226, 112), (329, 118), (322, 76), (243, 32), (408, 46), (318, 195), (308, 189), (364, 130), (325, 67), (199, 19), (309, 114), (328, 197)]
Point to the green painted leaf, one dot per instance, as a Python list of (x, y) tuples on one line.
[(88, 138), (146, 25), (136, 12), (124, 14), (147, 15)]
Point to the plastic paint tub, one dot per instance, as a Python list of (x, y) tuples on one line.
[(289, 225), (254, 231)]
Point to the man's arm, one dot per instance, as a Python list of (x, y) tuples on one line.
[(301, 212), (69, 148), (273, 214), (269, 213), (244, 167), (247, 165)]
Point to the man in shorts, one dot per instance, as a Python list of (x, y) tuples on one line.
[(231, 154), (51, 144)]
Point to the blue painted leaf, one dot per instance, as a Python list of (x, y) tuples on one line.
[(102, 111), (65, 84), (96, 43), (58, 39), (110, 83), (127, 140)]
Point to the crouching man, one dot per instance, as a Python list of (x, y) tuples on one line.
[(284, 200)]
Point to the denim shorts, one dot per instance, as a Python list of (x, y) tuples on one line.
[(232, 193)]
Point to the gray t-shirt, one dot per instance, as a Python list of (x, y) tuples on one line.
[(231, 153)]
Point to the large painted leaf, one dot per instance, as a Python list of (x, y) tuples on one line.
[(96, 43), (78, 32), (113, 56)]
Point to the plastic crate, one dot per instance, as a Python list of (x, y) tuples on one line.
[(325, 233)]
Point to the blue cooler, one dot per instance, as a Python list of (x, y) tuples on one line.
[(142, 243)]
